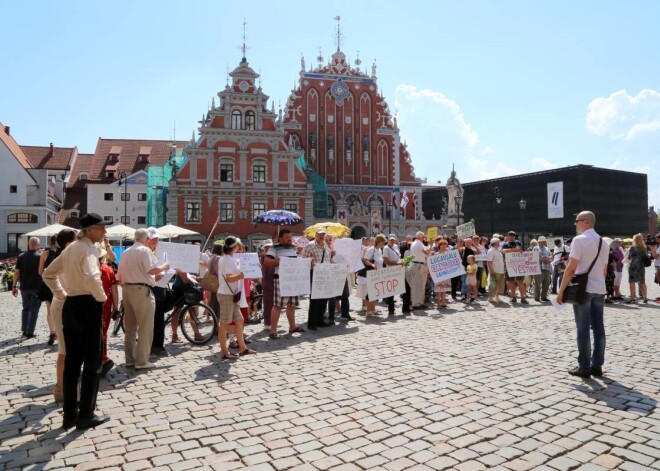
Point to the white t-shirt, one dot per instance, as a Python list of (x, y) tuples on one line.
[(417, 249), (584, 249), (376, 255), (392, 253), (228, 265), (203, 264), (494, 255)]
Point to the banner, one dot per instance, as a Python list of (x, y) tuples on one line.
[(347, 251), (522, 263), (432, 233), (386, 282), (250, 264), (294, 276), (445, 265), (184, 257), (556, 200), (465, 230), (328, 280)]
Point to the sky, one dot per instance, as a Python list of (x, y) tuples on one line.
[(493, 88)]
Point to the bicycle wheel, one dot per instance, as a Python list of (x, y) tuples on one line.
[(119, 322), (198, 323)]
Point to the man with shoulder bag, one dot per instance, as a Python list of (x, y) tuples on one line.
[(583, 285)]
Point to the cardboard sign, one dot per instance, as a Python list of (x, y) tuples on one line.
[(465, 230), (348, 252), (432, 233), (249, 264), (446, 265), (294, 276), (522, 263), (481, 257), (328, 280), (386, 282), (184, 257)]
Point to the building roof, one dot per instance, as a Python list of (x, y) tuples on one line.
[(130, 159), (14, 148), (49, 157), (82, 165)]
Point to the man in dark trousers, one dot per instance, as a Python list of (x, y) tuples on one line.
[(319, 252), (82, 320), (27, 279)]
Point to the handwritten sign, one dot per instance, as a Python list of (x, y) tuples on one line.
[(184, 257), (348, 252), (445, 265), (250, 264), (481, 257), (432, 233), (294, 276), (386, 282), (522, 263), (328, 280), (166, 275), (465, 230)]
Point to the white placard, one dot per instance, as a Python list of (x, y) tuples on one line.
[(328, 280), (465, 230), (294, 276), (481, 257), (348, 252), (250, 264), (386, 282), (522, 263), (443, 266), (184, 257), (167, 275), (556, 200)]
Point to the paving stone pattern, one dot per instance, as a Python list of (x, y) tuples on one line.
[(471, 388)]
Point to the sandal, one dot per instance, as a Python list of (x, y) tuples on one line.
[(274, 336), (296, 330), (176, 340), (247, 351), (247, 341), (233, 344), (631, 301), (199, 338), (229, 356)]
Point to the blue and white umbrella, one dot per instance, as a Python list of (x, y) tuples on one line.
[(278, 217)]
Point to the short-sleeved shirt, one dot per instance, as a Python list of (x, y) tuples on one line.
[(108, 279), (391, 253), (495, 256), (281, 251), (544, 252), (416, 249), (135, 264), (227, 265), (584, 249), (471, 270), (28, 264), (376, 255)]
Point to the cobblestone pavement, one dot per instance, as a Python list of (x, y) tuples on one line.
[(474, 387)]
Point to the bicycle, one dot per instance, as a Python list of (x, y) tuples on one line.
[(197, 320)]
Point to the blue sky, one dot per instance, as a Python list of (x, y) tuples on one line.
[(498, 88)]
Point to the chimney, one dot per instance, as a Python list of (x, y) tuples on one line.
[(50, 153), (7, 129)]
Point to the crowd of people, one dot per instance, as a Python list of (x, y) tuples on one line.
[(76, 280)]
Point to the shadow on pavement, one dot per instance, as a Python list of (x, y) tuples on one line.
[(617, 395)]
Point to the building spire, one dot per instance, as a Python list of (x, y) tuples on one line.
[(244, 47), (339, 35)]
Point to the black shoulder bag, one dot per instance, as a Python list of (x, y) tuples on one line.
[(577, 287), (237, 295)]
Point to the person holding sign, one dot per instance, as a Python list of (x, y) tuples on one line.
[(392, 257), (230, 279), (373, 260), (343, 301), (283, 248), (542, 281), (514, 246), (443, 286), (496, 270), (419, 270), (319, 252)]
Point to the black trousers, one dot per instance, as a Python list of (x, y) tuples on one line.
[(405, 297), (345, 306), (159, 326), (455, 286), (82, 321)]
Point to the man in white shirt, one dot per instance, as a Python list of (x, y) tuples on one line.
[(392, 257), (496, 271), (588, 314), (419, 270), (137, 270)]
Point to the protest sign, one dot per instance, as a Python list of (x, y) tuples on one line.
[(348, 252), (184, 257), (432, 233), (522, 263), (328, 280), (386, 282), (481, 257), (465, 230), (445, 265), (294, 276), (250, 264)]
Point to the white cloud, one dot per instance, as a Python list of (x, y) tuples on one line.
[(623, 116), (488, 150), (543, 164)]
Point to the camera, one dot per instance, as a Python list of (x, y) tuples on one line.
[(651, 240)]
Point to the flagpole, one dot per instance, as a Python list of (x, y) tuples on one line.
[(211, 233)]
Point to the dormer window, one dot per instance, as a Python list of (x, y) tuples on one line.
[(83, 176), (250, 120), (143, 155), (110, 175), (113, 155)]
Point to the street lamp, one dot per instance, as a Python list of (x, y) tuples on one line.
[(125, 195), (458, 199), (389, 210), (523, 206), (496, 197)]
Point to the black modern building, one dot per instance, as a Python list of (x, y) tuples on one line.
[(521, 203)]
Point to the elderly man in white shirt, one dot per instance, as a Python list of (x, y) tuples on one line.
[(137, 270), (419, 270)]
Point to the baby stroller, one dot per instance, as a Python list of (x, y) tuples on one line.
[(256, 297)]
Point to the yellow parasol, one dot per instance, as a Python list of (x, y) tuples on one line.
[(334, 228)]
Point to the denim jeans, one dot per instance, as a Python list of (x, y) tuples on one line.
[(464, 285), (30, 313), (588, 317)]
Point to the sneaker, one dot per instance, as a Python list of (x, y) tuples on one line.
[(146, 366)]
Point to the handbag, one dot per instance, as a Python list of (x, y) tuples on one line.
[(237, 295), (210, 282), (577, 287), (363, 271)]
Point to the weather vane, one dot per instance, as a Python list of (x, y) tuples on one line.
[(338, 19), (244, 47)]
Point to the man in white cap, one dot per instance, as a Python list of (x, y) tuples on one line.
[(137, 270), (542, 281)]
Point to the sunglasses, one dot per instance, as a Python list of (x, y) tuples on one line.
[(578, 220)]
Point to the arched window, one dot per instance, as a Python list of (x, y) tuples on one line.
[(383, 158), (332, 206), (22, 218), (374, 202), (250, 121), (236, 120)]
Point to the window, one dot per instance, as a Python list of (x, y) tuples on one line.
[(236, 120), (226, 172), (331, 207), (126, 220), (257, 209), (259, 173), (109, 218), (226, 212), (110, 175), (22, 218), (125, 196), (13, 189), (142, 197), (193, 211), (74, 213), (83, 176), (142, 219), (108, 196), (250, 120), (291, 207), (12, 242)]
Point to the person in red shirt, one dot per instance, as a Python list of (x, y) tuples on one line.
[(110, 306)]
